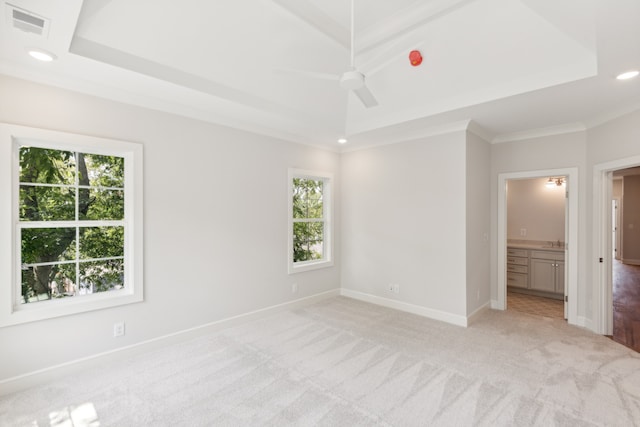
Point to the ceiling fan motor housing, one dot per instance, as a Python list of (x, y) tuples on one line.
[(352, 80)]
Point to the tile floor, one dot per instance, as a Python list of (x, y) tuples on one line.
[(537, 306)]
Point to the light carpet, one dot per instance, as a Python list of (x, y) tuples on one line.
[(342, 362)]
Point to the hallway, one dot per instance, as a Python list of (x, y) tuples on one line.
[(626, 304)]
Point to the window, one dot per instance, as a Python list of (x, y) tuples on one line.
[(76, 224), (310, 231)]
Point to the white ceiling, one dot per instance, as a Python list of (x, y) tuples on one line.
[(513, 67)]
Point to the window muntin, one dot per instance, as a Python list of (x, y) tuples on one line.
[(71, 223), (309, 220)]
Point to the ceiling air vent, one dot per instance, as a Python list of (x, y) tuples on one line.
[(26, 21)]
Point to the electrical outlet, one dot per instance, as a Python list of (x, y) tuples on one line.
[(118, 329), (294, 288), (390, 287), (523, 232), (396, 288)]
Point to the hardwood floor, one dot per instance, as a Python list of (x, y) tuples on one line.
[(626, 304)]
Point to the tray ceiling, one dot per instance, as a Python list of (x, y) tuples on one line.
[(509, 66)]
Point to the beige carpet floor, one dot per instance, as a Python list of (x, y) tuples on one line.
[(342, 362)]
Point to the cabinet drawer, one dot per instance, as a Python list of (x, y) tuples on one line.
[(517, 280), (515, 268), (516, 252), (556, 256), (517, 260)]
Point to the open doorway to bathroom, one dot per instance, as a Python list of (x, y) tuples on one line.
[(536, 245), (567, 267)]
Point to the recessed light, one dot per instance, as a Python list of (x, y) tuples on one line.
[(628, 75), (342, 141), (41, 55)]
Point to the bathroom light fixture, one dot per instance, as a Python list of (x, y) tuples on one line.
[(342, 140), (41, 55), (555, 182), (628, 75)]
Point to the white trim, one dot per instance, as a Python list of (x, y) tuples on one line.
[(41, 376), (473, 317), (584, 322), (11, 312), (631, 261), (495, 305), (443, 316), (327, 195), (602, 283), (539, 133), (571, 260)]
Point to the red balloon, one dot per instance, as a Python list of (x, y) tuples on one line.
[(415, 57)]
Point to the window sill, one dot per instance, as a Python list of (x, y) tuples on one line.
[(74, 305), (300, 267)]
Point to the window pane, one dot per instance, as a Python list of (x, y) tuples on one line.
[(308, 241), (101, 276), (316, 231), (46, 166), (48, 281), (307, 198), (105, 171), (101, 242), (104, 205), (47, 203), (48, 245)]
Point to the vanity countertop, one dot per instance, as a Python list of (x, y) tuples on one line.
[(535, 244)]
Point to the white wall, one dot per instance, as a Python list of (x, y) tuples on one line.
[(550, 152), (478, 211), (404, 221), (537, 208), (209, 254)]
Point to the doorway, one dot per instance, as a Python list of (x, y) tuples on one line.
[(604, 246), (625, 210), (536, 236), (571, 233)]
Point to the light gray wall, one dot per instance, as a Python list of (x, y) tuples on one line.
[(537, 208), (404, 221), (617, 189), (537, 154), (209, 254), (631, 219), (478, 168), (615, 140)]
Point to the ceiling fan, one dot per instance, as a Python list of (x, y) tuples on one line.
[(351, 80)]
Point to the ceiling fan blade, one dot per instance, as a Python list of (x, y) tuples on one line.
[(310, 74), (365, 95)]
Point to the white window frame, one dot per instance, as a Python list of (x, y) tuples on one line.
[(327, 214), (12, 311)]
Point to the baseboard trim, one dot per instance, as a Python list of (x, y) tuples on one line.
[(42, 376), (407, 307), (631, 261), (495, 305), (478, 312), (585, 323)]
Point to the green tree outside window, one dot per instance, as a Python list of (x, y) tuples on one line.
[(71, 223)]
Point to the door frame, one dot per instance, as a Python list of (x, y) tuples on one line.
[(602, 290), (571, 235)]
